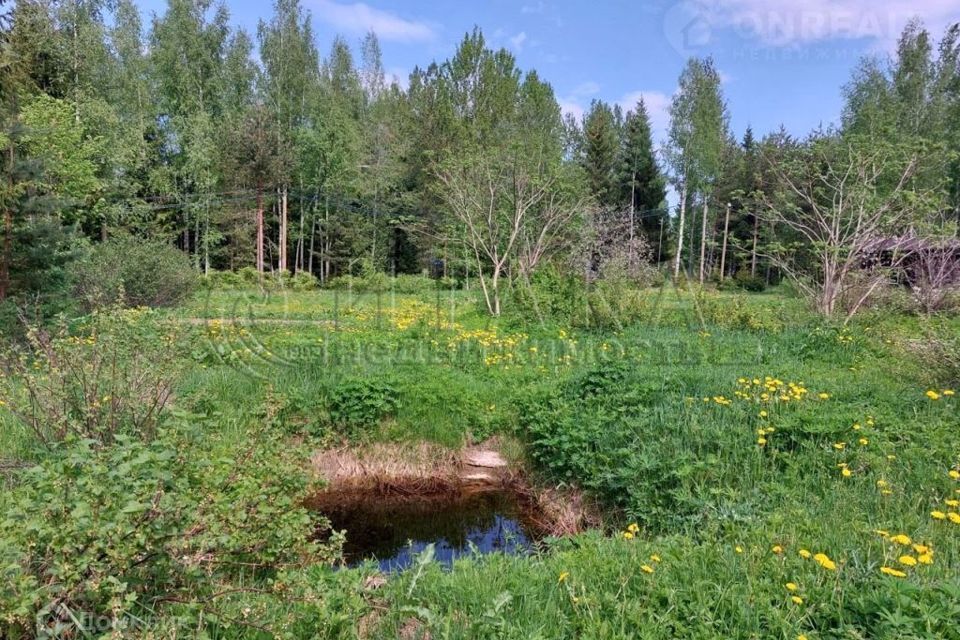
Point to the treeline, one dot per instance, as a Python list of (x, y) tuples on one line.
[(269, 151)]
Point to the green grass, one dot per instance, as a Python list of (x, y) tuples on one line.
[(639, 416)]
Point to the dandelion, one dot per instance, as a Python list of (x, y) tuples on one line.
[(627, 535), (761, 441), (948, 392), (738, 549), (763, 414), (805, 554), (902, 539), (791, 586), (952, 503), (796, 599), (925, 558), (938, 515), (777, 549), (953, 473), (633, 528), (890, 571), (846, 473), (882, 533), (933, 395), (921, 548), (646, 568), (823, 396), (563, 577), (954, 517), (801, 637), (864, 442), (839, 446), (824, 561), (907, 561)]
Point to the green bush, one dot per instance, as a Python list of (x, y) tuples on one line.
[(137, 531), (747, 282), (303, 281), (358, 403), (138, 272)]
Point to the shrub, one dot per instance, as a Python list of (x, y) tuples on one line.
[(137, 530), (112, 375), (139, 272), (361, 402), (747, 282), (304, 281)]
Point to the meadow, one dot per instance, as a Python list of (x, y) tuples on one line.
[(762, 472)]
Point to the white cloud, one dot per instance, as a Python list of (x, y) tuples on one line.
[(796, 22), (573, 102), (360, 18), (539, 7), (518, 40)]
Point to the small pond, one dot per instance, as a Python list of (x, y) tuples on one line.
[(392, 530)]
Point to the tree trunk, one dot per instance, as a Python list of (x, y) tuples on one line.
[(753, 251), (283, 230), (723, 252), (259, 229), (703, 241), (7, 234), (683, 211)]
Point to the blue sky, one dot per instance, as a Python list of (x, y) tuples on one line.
[(783, 62)]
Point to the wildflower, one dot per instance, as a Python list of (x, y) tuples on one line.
[(882, 533), (901, 539), (948, 392), (907, 561), (890, 571), (933, 395), (804, 554), (954, 517), (627, 535), (738, 549), (791, 586), (856, 426), (846, 473), (761, 441), (890, 456), (563, 577), (953, 473), (925, 558), (864, 441), (824, 561), (655, 558), (839, 446), (921, 548), (882, 483), (646, 568), (823, 396), (801, 637), (952, 503), (777, 549), (796, 599), (763, 414), (633, 528)]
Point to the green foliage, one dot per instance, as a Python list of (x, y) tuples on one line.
[(303, 281), (109, 376), (357, 404), (134, 271), (139, 531)]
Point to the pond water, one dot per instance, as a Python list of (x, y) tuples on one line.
[(392, 531)]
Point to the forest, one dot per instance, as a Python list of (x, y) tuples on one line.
[(286, 338)]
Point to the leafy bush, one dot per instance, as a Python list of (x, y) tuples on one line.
[(112, 375), (141, 273), (361, 402), (138, 530), (304, 281), (737, 313), (747, 282)]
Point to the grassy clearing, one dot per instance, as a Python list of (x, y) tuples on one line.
[(774, 465)]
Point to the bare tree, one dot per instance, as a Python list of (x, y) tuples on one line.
[(511, 212), (932, 270), (838, 196)]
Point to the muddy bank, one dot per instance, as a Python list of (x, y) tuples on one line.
[(425, 478)]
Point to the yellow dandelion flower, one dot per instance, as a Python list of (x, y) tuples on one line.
[(801, 637), (925, 558), (633, 528), (563, 577), (907, 561), (839, 446), (902, 539), (933, 395), (938, 515), (824, 561), (804, 554), (738, 549), (796, 599), (881, 533), (777, 549), (761, 441), (954, 517), (846, 473), (823, 396), (948, 392), (953, 473), (864, 441), (646, 568), (890, 571), (763, 414), (791, 586), (627, 535)]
